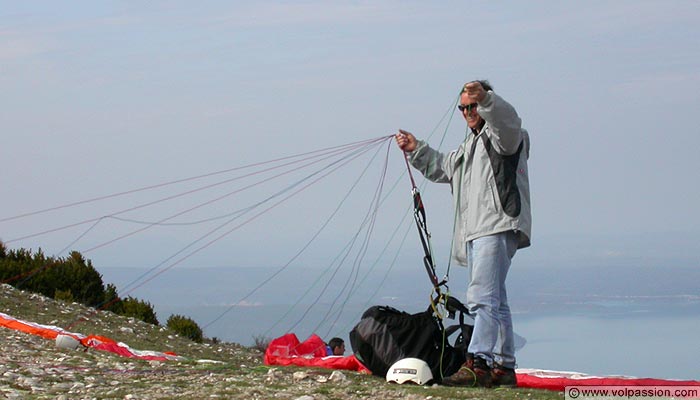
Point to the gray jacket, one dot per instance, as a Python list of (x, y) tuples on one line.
[(488, 175)]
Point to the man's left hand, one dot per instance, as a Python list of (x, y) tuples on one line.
[(475, 92)]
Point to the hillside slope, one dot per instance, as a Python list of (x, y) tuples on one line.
[(34, 368)]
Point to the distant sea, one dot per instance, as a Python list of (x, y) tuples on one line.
[(582, 319)]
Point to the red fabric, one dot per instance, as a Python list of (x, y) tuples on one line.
[(558, 383), (287, 350), (94, 341), (314, 346), (22, 326), (90, 341), (113, 348), (289, 346)]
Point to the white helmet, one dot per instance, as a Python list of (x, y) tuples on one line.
[(67, 342), (409, 369)]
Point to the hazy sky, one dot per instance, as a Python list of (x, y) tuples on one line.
[(102, 97)]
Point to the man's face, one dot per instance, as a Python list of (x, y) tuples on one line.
[(469, 113), (339, 350)]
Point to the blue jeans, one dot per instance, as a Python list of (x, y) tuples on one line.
[(488, 261)]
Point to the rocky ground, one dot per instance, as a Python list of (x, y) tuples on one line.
[(32, 367)]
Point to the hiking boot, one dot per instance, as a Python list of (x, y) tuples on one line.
[(475, 372), (503, 377)]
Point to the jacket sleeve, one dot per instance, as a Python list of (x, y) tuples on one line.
[(435, 166), (504, 123)]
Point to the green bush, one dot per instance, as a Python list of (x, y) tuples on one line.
[(69, 279), (20, 267), (76, 275), (139, 309), (112, 302), (186, 327), (49, 275), (64, 295)]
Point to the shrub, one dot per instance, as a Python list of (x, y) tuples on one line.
[(64, 295), (79, 277), (139, 309), (112, 302), (69, 279), (186, 327), (20, 269), (261, 342), (49, 275)]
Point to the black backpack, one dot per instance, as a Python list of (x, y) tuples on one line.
[(385, 335)]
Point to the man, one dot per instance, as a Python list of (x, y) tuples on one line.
[(489, 180), (336, 347)]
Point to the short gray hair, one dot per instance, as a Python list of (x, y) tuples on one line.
[(483, 82)]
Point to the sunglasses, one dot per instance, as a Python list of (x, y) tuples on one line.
[(467, 107)]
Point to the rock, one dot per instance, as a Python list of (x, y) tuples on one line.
[(61, 387), (299, 376), (273, 375), (10, 375), (338, 376), (205, 361)]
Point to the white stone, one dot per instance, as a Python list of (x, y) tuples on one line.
[(10, 375), (205, 361), (338, 376), (300, 375), (272, 375), (62, 386)]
